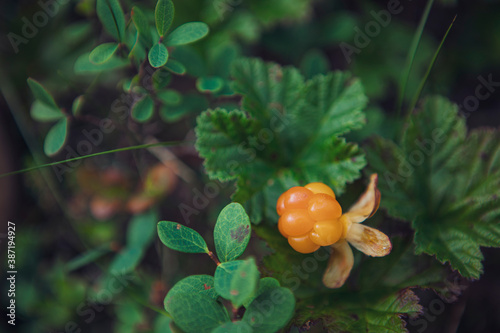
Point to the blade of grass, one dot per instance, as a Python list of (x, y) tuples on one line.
[(431, 65), (411, 55), (170, 143)]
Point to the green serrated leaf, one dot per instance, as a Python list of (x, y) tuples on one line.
[(164, 15), (271, 310), (194, 284), (210, 84), (42, 94), (112, 18), (176, 67), (366, 312), (452, 206), (234, 327), (196, 313), (244, 283), (187, 33), (84, 66), (223, 131), (288, 128), (158, 55), (338, 100), (269, 90), (232, 232), (143, 109), (56, 137), (169, 97), (44, 113), (103, 53), (126, 260), (181, 238), (142, 25), (141, 230)]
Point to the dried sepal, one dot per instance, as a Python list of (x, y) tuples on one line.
[(368, 240), (367, 203), (339, 265)]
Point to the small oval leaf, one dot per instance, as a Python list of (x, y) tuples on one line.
[(141, 23), (158, 55), (244, 283), (126, 260), (210, 84), (112, 18), (77, 105), (224, 275), (164, 15), (138, 52), (265, 284), (143, 109), (196, 313), (181, 238), (161, 78), (169, 97), (176, 67), (232, 232), (141, 229), (56, 137), (191, 103), (84, 66), (44, 113), (194, 284), (102, 53), (41, 93), (187, 33), (279, 304), (234, 327)]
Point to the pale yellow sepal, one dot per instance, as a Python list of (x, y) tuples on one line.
[(339, 265), (368, 240)]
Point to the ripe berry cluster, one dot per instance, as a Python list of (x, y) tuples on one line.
[(309, 217)]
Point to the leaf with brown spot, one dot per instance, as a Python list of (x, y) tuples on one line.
[(194, 284), (181, 238), (232, 232)]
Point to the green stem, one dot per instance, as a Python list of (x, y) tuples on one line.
[(431, 65), (213, 257), (170, 143), (411, 55)]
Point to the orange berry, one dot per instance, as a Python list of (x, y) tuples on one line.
[(323, 207), (296, 198), (280, 228), (296, 222), (280, 205), (320, 188), (302, 244), (326, 232)]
